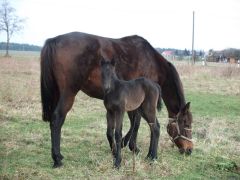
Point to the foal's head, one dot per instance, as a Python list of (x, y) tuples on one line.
[(107, 73), (180, 129)]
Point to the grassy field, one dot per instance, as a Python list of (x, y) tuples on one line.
[(25, 139)]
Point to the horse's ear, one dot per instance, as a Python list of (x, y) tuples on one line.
[(186, 108)]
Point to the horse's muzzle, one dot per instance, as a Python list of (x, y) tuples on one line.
[(186, 151)]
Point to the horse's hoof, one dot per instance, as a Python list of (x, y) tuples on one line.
[(57, 164), (61, 157), (150, 157)]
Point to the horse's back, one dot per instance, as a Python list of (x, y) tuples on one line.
[(76, 59)]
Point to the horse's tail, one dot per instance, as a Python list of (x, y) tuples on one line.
[(159, 102), (49, 88)]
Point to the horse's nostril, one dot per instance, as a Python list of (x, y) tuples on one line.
[(189, 151)]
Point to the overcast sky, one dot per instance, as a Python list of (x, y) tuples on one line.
[(164, 23)]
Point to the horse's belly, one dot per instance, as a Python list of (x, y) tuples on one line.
[(133, 103)]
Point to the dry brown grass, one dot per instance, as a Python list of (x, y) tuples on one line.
[(19, 90), (214, 78)]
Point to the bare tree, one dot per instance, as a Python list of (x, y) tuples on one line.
[(9, 22)]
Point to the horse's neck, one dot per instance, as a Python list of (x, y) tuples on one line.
[(172, 102), (173, 95)]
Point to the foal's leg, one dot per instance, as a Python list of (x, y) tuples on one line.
[(63, 106), (110, 130), (118, 137), (131, 135)]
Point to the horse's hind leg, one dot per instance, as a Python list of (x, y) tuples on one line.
[(63, 106), (135, 118)]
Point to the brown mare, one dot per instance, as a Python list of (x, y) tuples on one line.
[(120, 96), (71, 62)]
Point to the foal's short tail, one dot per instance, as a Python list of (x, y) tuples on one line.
[(49, 88), (159, 103)]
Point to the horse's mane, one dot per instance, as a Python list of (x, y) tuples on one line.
[(152, 52), (177, 84), (172, 71)]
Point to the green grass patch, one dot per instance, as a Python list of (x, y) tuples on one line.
[(214, 105)]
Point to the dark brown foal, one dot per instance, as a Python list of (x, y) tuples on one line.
[(121, 96)]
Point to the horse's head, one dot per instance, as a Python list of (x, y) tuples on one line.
[(180, 130), (107, 73)]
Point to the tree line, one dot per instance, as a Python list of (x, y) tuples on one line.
[(181, 52), (19, 47)]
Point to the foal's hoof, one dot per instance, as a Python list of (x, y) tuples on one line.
[(136, 150), (117, 166), (150, 158), (117, 163), (57, 164)]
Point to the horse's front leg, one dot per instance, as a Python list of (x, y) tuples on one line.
[(63, 106), (118, 138)]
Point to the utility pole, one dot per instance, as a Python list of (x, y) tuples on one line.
[(193, 54)]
